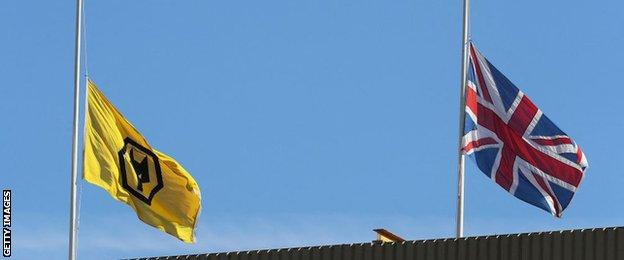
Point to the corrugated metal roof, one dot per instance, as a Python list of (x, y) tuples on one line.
[(585, 244)]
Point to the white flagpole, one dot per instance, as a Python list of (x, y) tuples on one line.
[(462, 118), (74, 158)]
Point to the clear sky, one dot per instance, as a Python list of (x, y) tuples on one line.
[(304, 122)]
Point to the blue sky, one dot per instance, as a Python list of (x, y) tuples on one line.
[(304, 122)]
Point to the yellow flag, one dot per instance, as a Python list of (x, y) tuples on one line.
[(118, 159)]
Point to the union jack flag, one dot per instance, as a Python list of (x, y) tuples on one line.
[(515, 144)]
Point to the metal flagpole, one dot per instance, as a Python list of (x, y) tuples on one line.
[(74, 158), (462, 118)]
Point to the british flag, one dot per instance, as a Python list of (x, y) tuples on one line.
[(515, 144)]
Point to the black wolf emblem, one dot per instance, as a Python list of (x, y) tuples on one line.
[(146, 166)]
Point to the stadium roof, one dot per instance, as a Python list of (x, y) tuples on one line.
[(587, 244)]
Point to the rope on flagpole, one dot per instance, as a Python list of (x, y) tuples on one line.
[(86, 68), (84, 42)]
